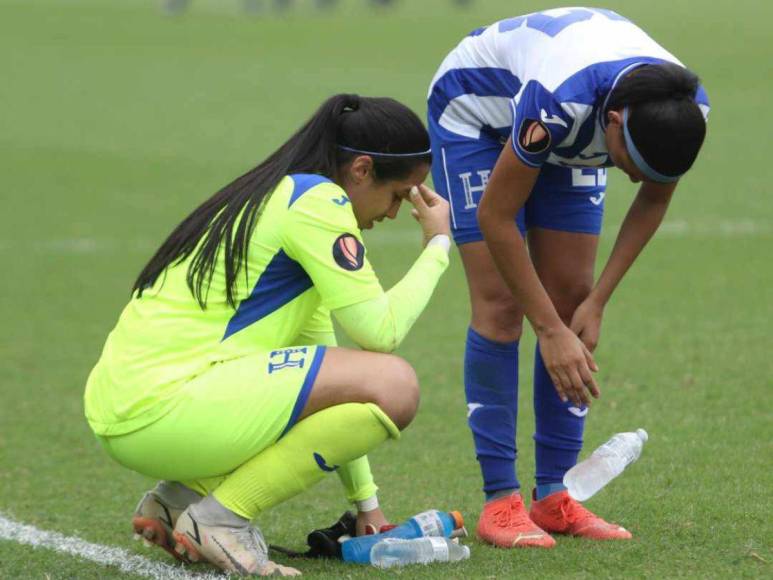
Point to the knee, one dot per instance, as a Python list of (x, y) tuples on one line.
[(398, 391), (568, 295), (497, 317)]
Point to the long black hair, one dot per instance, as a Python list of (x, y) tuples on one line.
[(665, 121), (380, 125)]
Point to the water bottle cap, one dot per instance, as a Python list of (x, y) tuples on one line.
[(642, 435), (458, 519)]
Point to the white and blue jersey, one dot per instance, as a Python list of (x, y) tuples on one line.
[(544, 80)]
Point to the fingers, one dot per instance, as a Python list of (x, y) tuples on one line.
[(417, 199), (589, 359), (430, 197)]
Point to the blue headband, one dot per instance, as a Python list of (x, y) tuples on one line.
[(638, 160), (377, 154)]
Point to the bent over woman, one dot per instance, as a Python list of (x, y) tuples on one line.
[(222, 378), (525, 117)]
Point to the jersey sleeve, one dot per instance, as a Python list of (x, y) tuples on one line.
[(320, 233), (539, 124)]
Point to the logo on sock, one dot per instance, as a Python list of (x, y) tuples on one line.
[(577, 412), (323, 464), (472, 407)]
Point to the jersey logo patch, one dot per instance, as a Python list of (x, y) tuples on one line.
[(533, 137), (348, 252)]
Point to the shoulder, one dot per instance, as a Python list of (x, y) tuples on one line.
[(313, 198)]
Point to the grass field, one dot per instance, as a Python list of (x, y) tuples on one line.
[(115, 120)]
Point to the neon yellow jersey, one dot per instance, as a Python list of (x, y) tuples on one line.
[(306, 257)]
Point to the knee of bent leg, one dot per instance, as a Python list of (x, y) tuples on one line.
[(567, 296), (497, 316), (398, 391)]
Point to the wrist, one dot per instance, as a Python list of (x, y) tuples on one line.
[(442, 240), (368, 504)]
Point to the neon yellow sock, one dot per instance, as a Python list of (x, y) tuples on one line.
[(317, 445), (357, 479), (204, 486)]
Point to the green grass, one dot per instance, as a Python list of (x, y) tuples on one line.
[(116, 120)]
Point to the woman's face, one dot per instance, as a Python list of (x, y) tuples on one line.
[(617, 149), (374, 200)]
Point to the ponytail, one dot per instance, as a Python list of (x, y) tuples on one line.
[(228, 218), (663, 118)]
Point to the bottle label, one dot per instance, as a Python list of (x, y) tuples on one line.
[(429, 523), (439, 549)]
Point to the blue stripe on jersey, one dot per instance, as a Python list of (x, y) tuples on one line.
[(303, 183), (282, 281), (483, 82)]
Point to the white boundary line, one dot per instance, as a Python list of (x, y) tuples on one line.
[(122, 559)]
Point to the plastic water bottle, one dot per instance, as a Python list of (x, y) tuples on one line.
[(430, 523), (397, 552), (586, 478)]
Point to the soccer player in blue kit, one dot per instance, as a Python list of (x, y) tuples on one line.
[(525, 116)]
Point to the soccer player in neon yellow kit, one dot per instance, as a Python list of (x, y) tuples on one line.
[(222, 378)]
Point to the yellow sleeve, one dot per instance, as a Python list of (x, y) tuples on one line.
[(319, 330), (381, 324), (320, 232)]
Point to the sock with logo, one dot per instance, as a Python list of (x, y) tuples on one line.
[(559, 428), (491, 389), (313, 447)]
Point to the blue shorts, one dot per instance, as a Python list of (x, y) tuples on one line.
[(564, 198)]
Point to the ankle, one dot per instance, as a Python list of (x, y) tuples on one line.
[(211, 512)]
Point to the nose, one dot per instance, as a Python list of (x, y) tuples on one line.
[(392, 213)]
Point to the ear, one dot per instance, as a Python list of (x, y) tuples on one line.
[(615, 118), (361, 167)]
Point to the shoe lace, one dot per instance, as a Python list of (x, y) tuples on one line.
[(511, 515), (574, 512)]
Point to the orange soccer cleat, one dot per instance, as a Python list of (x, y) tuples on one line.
[(505, 523), (558, 513)]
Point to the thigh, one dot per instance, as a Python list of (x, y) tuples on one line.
[(564, 262), (356, 376), (224, 416), (495, 314), (461, 167)]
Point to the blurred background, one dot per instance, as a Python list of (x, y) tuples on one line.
[(117, 118)]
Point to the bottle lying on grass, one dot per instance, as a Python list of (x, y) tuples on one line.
[(391, 552), (432, 523), (586, 478)]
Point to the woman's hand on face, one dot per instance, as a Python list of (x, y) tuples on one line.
[(370, 522), (586, 323), (570, 365), (431, 211)]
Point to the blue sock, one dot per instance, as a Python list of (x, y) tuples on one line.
[(558, 437), (491, 388)]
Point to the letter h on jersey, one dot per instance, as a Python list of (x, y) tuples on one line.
[(470, 189)]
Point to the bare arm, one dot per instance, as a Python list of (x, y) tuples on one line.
[(568, 362), (641, 222)]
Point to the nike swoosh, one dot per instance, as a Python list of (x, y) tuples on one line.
[(323, 464), (342, 201), (592, 155), (553, 119), (197, 537), (239, 568), (472, 407), (520, 537), (576, 411)]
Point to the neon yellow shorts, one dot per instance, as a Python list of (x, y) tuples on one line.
[(223, 417)]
